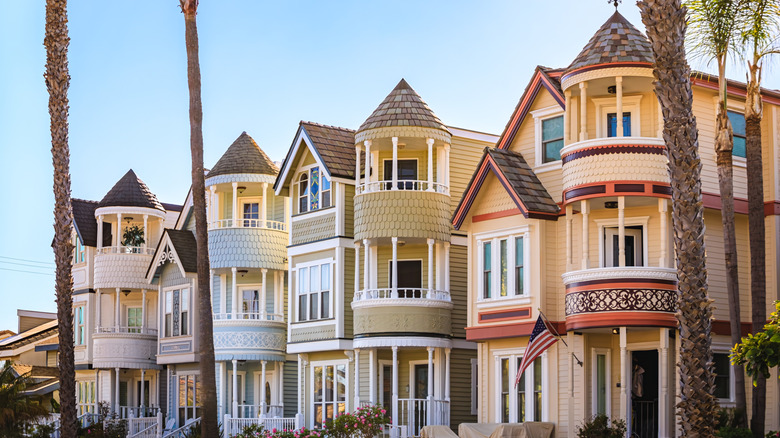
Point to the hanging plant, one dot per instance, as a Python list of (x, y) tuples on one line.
[(133, 236)]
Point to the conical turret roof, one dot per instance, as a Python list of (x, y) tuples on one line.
[(616, 41), (403, 107), (130, 191), (244, 156)]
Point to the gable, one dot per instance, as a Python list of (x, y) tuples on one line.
[(492, 198)]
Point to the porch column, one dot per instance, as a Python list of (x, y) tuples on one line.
[(569, 211), (118, 236), (100, 233), (234, 218), (280, 384), (585, 210), (662, 209), (263, 407), (357, 166), (447, 352), (235, 389), (395, 268), (625, 377), (583, 111), (446, 165), (366, 257), (447, 266), (214, 206), (97, 389), (430, 386), (619, 105), (116, 391), (141, 405), (98, 313), (221, 389), (663, 377), (621, 231), (372, 376), (567, 117), (395, 164), (234, 294), (264, 206), (262, 303), (116, 311), (430, 267), (357, 378), (143, 310), (146, 235), (437, 256), (395, 391), (357, 267), (367, 144), (430, 164)]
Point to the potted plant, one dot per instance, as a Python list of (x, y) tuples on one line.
[(133, 237)]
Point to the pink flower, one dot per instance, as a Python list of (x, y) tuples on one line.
[(273, 430)]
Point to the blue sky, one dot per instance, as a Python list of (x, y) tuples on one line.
[(265, 66)]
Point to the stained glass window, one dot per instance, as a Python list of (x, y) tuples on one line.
[(314, 189)]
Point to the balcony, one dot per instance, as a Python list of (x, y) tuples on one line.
[(247, 223), (125, 347), (248, 243), (407, 311), (122, 267), (625, 296), (403, 185), (249, 336), (615, 166), (383, 212)]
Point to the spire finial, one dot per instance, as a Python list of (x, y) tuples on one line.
[(615, 2)]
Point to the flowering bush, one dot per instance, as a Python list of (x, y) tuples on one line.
[(773, 434), (258, 431), (365, 422)]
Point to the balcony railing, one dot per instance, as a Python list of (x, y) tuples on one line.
[(416, 413), (247, 223), (406, 185), (257, 316), (255, 411), (402, 293), (234, 426), (127, 330), (126, 250)]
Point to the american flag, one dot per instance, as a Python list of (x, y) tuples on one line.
[(541, 339)]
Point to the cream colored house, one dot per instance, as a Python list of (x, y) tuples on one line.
[(570, 214), (377, 289)]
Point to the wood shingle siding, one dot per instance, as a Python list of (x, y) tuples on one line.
[(402, 214), (313, 229), (247, 248)]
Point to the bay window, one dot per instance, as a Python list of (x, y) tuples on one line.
[(313, 291)]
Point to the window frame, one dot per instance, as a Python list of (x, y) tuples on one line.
[(737, 106), (79, 328), (248, 201), (742, 113), (347, 387), (635, 221), (306, 172), (730, 401), (595, 352), (540, 116), (495, 238), (79, 250), (329, 262), (515, 356), (606, 105), (166, 313), (127, 318), (249, 287)]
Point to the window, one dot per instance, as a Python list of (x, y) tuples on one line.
[(632, 247), (330, 392), (185, 312), (612, 124), (601, 381), (79, 337), (134, 319), (189, 397), (502, 263), (525, 401), (407, 171), (177, 312), (314, 191), (723, 376), (250, 303), (79, 253), (85, 396), (314, 291), (738, 126), (250, 213), (552, 139), (169, 313), (409, 278)]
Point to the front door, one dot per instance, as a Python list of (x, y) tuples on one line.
[(419, 397), (387, 389), (644, 393)]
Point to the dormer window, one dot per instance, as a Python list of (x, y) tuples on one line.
[(303, 193), (314, 190)]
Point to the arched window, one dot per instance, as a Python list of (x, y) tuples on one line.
[(314, 190), (303, 193)]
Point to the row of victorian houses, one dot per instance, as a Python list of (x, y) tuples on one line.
[(405, 263)]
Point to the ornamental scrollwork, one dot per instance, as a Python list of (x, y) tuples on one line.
[(648, 300), (166, 256)]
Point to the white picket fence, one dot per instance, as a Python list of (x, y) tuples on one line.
[(145, 427), (234, 426)]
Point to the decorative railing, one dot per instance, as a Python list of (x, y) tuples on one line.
[(257, 316), (416, 413), (138, 411), (126, 250), (247, 223), (405, 185), (402, 293), (145, 427), (183, 431), (234, 426), (126, 330)]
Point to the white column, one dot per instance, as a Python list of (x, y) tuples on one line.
[(583, 111), (395, 390), (234, 306), (100, 232), (357, 267), (235, 214), (98, 312), (287, 212), (208, 206), (446, 165), (280, 384), (235, 389), (585, 210), (357, 166), (372, 376), (430, 164), (116, 311), (430, 386), (221, 390), (264, 206), (395, 267), (146, 235), (619, 105), (357, 378), (395, 164), (621, 231), (447, 266), (437, 256), (214, 205), (262, 302), (663, 384), (430, 267), (447, 352), (625, 377), (118, 234), (367, 144), (366, 258), (143, 376), (566, 117), (569, 261), (143, 310), (263, 407), (662, 210)]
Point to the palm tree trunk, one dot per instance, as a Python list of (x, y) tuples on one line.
[(209, 427), (57, 82), (753, 115), (665, 24)]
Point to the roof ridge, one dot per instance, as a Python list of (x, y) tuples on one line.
[(244, 155), (327, 126), (403, 107)]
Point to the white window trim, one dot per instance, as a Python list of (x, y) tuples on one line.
[(83, 308), (628, 222), (608, 381), (241, 389), (412, 386), (723, 348), (269, 376), (296, 182), (347, 386), (605, 105), (417, 166), (539, 116), (326, 261), (251, 286), (494, 238), (249, 200), (513, 355), (737, 107), (390, 265), (180, 287)]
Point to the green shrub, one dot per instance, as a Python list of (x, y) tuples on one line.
[(599, 427), (773, 434), (734, 432)]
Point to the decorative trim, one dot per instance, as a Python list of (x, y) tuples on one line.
[(639, 272), (616, 319), (403, 131), (604, 189), (590, 72), (240, 177), (175, 347), (104, 211), (621, 299), (505, 314), (499, 331), (613, 149), (402, 302), (406, 341)]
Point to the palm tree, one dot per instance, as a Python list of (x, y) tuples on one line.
[(713, 32), (759, 33), (665, 24), (16, 410), (57, 82), (208, 422)]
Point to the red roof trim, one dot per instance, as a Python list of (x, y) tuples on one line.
[(606, 65)]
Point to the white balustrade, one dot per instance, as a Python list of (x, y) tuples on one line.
[(247, 223), (257, 316), (413, 414), (403, 293), (140, 250), (234, 426), (127, 330), (405, 185)]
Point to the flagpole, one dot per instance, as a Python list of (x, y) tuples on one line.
[(550, 326)]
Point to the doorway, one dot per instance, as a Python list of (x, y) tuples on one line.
[(409, 278), (644, 393)]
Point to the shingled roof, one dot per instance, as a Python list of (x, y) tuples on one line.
[(186, 248), (616, 41), (244, 156), (130, 191), (86, 224), (523, 181), (335, 146), (403, 107)]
